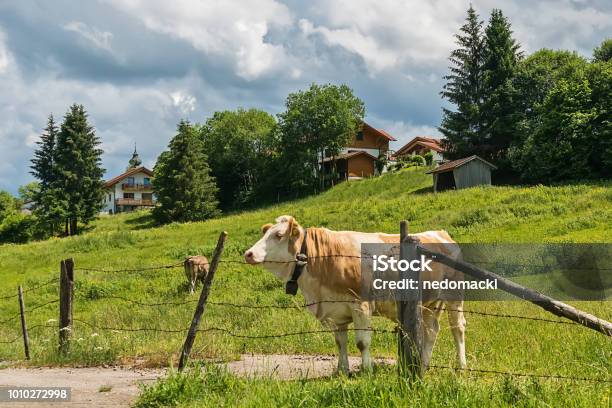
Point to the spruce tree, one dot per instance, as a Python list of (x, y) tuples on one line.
[(462, 127), (500, 112), (48, 203), (184, 187), (79, 171)]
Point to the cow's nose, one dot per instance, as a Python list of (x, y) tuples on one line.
[(248, 256)]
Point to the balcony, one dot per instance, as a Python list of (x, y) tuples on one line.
[(136, 187), (134, 201)]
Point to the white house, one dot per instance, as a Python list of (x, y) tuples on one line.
[(421, 145), (131, 190)]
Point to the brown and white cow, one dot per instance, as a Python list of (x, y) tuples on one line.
[(196, 268), (333, 278)]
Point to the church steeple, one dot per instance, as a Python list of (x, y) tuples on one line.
[(135, 160)]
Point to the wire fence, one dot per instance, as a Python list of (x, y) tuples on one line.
[(241, 335)]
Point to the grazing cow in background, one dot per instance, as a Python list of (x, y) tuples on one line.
[(329, 276), (196, 268)]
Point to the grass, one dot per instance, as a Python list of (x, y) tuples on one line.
[(212, 386), (567, 213)]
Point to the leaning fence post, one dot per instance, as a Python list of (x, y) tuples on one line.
[(65, 317), (195, 322), (24, 327), (410, 335)]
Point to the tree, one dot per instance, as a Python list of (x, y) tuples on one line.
[(238, 144), (317, 122), (79, 184), (49, 205), (28, 192), (603, 53), (499, 112), (184, 187), (462, 127)]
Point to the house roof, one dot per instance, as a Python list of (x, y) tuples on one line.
[(429, 142), (344, 156), (451, 165), (380, 132), (128, 173)]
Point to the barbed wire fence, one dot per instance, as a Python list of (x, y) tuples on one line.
[(240, 335)]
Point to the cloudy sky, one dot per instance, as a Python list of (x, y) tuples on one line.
[(139, 66)]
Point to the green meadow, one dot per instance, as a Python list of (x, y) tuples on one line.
[(536, 214)]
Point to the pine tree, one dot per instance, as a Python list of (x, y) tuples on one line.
[(48, 203), (184, 187), (462, 127), (499, 111), (79, 171)]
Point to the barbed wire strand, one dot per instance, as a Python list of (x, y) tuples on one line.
[(30, 289), (28, 310), (283, 307)]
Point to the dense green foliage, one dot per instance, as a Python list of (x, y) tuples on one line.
[(603, 53), (462, 127), (498, 112), (49, 204), (184, 187), (543, 118), (78, 170), (317, 123), (239, 146)]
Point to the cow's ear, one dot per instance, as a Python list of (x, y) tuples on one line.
[(293, 230), (265, 228)]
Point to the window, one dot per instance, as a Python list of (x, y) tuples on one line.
[(130, 181), (128, 195), (359, 135), (147, 181), (147, 196), (109, 198)]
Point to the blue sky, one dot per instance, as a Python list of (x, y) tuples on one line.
[(139, 66)]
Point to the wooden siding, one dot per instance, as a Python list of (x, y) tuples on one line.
[(360, 166), (473, 173), (371, 140)]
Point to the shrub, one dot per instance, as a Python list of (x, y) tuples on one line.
[(416, 160), (17, 228), (428, 158)]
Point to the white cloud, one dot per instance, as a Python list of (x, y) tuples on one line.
[(226, 29), (183, 101), (388, 34), (404, 131), (5, 56), (101, 39)]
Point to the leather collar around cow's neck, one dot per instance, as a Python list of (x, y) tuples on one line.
[(301, 258)]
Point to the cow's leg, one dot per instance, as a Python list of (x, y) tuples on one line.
[(363, 336), (431, 326), (457, 325), (342, 342), (192, 277)]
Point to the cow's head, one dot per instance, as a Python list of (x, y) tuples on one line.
[(277, 248)]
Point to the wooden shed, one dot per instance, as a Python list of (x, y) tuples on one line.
[(463, 173)]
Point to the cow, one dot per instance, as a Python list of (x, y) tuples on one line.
[(196, 268), (331, 280)]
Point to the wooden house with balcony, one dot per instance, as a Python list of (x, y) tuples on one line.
[(131, 190), (358, 159)]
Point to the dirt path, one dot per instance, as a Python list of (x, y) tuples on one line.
[(118, 387)]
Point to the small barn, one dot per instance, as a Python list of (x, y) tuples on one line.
[(463, 173)]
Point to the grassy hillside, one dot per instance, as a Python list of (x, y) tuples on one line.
[(575, 213)]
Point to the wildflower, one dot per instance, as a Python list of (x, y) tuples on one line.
[(94, 335), (98, 348), (51, 321)]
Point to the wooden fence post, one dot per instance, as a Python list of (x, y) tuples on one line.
[(410, 315), (65, 317), (24, 327), (195, 322)]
